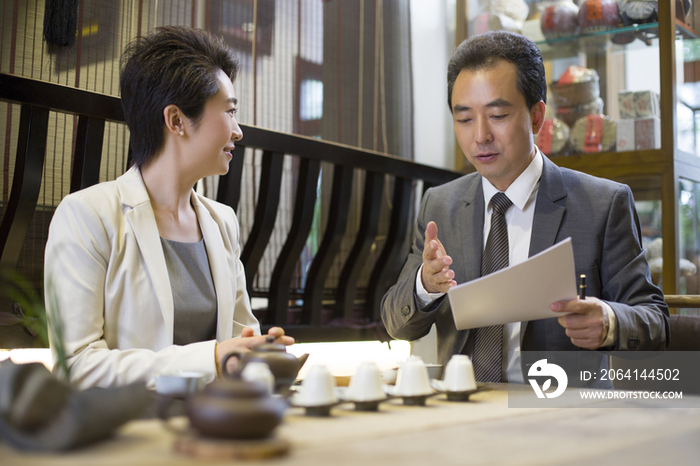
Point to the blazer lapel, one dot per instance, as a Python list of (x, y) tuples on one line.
[(221, 274), (549, 213), (139, 214), (472, 230), (549, 209)]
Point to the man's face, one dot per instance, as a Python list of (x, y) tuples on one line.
[(493, 125)]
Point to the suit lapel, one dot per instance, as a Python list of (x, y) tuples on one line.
[(470, 224), (549, 209), (471, 228), (221, 275), (139, 214), (549, 213)]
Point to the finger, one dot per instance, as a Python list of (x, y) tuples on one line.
[(575, 306), (431, 231), (436, 266), (247, 332), (431, 251), (439, 281), (280, 337), (286, 340), (231, 365), (582, 333), (586, 343), (576, 321), (445, 287)]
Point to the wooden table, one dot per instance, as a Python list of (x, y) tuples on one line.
[(482, 431)]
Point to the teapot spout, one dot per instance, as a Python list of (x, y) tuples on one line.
[(302, 359)]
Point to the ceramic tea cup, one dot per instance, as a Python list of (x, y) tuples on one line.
[(389, 375), (182, 384), (434, 370), (366, 384), (459, 374), (260, 372), (318, 388), (412, 378)]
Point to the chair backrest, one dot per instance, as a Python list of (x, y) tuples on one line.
[(685, 333), (344, 313)]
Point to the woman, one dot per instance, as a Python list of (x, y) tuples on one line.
[(143, 275)]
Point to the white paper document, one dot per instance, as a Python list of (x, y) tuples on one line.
[(521, 292)]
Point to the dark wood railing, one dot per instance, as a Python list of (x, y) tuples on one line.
[(311, 322)]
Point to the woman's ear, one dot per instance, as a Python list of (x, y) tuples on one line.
[(174, 120)]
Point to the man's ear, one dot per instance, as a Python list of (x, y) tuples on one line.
[(173, 120), (537, 116)]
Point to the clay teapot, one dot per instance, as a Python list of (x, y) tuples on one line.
[(283, 365), (232, 408)]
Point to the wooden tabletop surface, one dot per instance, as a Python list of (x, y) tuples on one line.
[(482, 431)]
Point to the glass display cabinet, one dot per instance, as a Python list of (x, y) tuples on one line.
[(624, 104)]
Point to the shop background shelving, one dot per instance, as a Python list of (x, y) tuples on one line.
[(665, 181)]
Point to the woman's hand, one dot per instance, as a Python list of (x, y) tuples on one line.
[(245, 343)]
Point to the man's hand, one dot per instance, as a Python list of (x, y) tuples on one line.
[(245, 343), (587, 323), (436, 275)]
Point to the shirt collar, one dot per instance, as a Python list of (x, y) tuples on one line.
[(521, 189)]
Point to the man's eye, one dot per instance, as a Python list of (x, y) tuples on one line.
[(233, 110)]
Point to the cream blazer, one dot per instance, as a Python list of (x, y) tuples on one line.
[(108, 292)]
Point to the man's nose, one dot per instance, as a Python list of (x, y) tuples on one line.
[(483, 131)]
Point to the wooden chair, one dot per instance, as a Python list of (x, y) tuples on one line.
[(324, 314)]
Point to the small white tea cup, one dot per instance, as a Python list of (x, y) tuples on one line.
[(182, 384), (459, 374), (412, 378), (366, 384), (256, 371), (317, 388)]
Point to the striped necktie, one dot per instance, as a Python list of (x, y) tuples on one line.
[(488, 341)]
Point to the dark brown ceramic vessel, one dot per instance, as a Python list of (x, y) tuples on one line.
[(234, 408), (283, 365)]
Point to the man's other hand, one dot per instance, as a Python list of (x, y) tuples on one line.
[(436, 275), (586, 322)]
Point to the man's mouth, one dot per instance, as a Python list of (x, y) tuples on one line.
[(486, 156)]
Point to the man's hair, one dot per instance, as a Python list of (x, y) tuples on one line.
[(485, 50), (174, 66)]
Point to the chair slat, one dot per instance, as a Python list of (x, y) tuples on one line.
[(307, 186), (229, 190), (265, 214), (88, 153), (335, 229), (26, 183), (390, 262), (369, 224)]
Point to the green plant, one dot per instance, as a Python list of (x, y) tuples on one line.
[(29, 311)]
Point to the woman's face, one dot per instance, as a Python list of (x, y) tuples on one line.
[(212, 138)]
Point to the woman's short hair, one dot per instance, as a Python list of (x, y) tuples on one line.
[(485, 50), (174, 66)]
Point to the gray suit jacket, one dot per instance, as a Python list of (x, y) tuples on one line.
[(597, 214)]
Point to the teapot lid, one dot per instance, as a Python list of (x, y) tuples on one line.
[(270, 345)]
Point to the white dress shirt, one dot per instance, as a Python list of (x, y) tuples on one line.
[(523, 194)]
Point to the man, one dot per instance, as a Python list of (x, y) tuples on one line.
[(497, 93)]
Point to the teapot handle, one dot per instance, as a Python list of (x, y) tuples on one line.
[(162, 407), (225, 359)]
